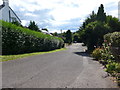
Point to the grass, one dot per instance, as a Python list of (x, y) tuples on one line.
[(14, 57)]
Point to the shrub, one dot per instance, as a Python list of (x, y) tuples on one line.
[(113, 39), (97, 53), (17, 40), (113, 67)]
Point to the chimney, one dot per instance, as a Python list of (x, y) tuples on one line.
[(6, 2)]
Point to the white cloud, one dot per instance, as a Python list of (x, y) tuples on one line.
[(30, 14), (24, 22), (60, 12)]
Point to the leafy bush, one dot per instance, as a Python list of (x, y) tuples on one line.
[(113, 67), (97, 53), (113, 38), (112, 49), (16, 40)]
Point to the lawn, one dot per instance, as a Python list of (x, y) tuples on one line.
[(14, 57)]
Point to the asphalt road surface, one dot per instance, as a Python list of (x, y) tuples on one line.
[(71, 68)]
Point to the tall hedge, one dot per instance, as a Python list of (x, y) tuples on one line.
[(17, 40)]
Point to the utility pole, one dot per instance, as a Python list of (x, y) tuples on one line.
[(61, 31)]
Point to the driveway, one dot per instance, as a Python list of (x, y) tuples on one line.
[(71, 68)]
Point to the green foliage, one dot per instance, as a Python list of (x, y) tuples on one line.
[(55, 34), (16, 40), (97, 53), (76, 37), (114, 23), (14, 57), (33, 26), (113, 39), (101, 16), (95, 27), (16, 23), (91, 18), (107, 57), (113, 67), (69, 37), (93, 34)]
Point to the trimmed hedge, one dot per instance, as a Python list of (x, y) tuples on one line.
[(17, 40)]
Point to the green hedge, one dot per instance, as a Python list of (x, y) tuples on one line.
[(113, 38), (17, 40)]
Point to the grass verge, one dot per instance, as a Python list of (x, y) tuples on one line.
[(14, 57)]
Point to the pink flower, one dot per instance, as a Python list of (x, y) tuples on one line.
[(105, 40)]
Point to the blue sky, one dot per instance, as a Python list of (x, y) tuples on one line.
[(59, 14)]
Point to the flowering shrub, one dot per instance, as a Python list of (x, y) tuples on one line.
[(109, 54), (113, 39), (17, 40), (97, 53)]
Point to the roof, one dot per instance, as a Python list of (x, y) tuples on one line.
[(15, 14), (1, 6)]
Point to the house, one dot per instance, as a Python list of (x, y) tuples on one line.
[(7, 14)]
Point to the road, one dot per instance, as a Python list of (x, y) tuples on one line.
[(71, 68)]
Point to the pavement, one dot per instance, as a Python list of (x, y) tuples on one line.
[(71, 68)]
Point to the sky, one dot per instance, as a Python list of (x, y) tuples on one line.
[(56, 15)]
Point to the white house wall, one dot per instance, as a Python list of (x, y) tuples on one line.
[(5, 13)]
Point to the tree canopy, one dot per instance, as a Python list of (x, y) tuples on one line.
[(96, 26), (68, 36), (33, 26)]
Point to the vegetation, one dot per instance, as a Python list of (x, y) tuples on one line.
[(95, 27), (101, 34), (97, 53), (113, 39), (33, 26), (101, 15), (107, 56), (17, 40), (14, 57), (16, 23), (68, 37)]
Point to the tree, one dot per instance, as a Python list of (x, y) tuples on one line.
[(95, 27), (16, 23), (33, 26), (68, 36), (114, 23), (101, 16), (93, 34), (76, 37), (55, 34)]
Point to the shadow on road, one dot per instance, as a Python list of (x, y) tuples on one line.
[(82, 54)]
